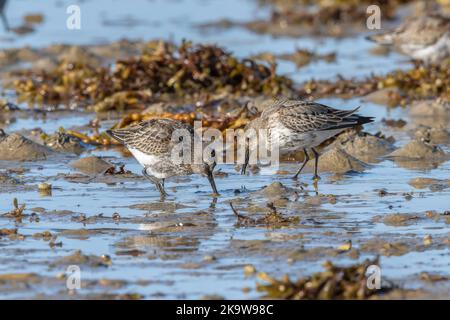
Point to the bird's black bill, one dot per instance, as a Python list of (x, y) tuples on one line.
[(210, 177), (247, 156)]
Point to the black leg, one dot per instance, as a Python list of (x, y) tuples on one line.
[(316, 162), (4, 21), (303, 165), (157, 183), (247, 156), (210, 176)]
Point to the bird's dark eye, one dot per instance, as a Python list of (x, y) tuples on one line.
[(180, 138), (213, 153)]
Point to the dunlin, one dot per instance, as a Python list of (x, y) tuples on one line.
[(301, 125), (151, 143), (425, 38)]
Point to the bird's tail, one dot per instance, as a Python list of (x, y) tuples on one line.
[(363, 120), (356, 118), (349, 118)]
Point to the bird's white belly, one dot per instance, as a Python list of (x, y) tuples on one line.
[(433, 53), (160, 167), (290, 141), (144, 159), (152, 171)]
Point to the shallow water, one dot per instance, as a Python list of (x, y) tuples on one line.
[(159, 252)]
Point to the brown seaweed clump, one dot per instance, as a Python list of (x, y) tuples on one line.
[(219, 114), (420, 82), (272, 219), (186, 71), (333, 283), (17, 211)]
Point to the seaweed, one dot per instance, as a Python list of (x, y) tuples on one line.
[(333, 283), (270, 219), (187, 71), (17, 211), (420, 82)]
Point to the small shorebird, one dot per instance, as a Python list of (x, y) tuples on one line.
[(151, 143), (425, 38), (301, 125)]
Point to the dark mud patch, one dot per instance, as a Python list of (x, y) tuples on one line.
[(385, 97), (80, 259), (275, 190), (430, 108), (82, 234), (303, 57), (109, 179), (18, 148), (159, 206), (432, 135), (432, 184), (400, 219), (337, 160), (7, 180), (92, 165), (402, 245), (168, 247), (416, 150), (364, 146)]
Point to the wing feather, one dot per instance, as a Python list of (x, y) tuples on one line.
[(152, 137), (305, 116)]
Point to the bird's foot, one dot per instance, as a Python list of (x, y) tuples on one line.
[(316, 177), (162, 197), (162, 194)]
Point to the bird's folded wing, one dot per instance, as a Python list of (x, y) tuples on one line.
[(308, 116), (153, 136)]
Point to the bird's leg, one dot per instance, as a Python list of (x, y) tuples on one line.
[(316, 187), (303, 165), (211, 179), (316, 162), (157, 183), (213, 203), (162, 182), (247, 157)]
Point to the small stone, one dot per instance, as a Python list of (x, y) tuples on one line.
[(249, 270), (346, 246), (44, 186), (209, 258), (427, 240)]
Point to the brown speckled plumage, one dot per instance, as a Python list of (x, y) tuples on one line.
[(152, 137), (300, 125), (426, 37), (152, 143), (305, 116)]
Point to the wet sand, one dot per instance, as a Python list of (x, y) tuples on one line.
[(390, 200)]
